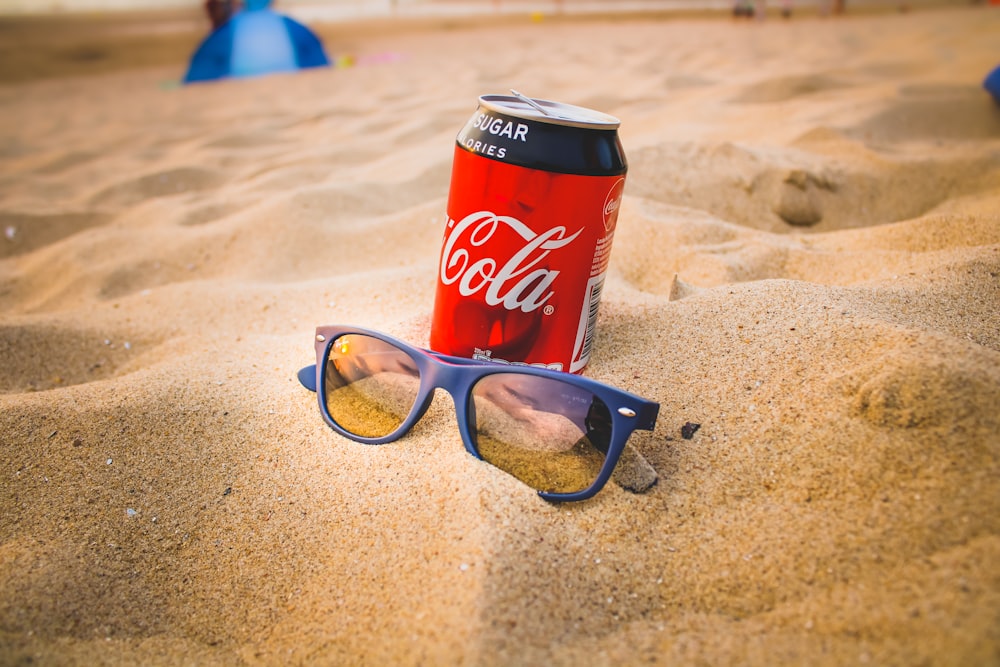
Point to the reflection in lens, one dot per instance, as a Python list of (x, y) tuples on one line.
[(549, 434), (370, 385)]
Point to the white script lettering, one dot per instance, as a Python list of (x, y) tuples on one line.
[(516, 284)]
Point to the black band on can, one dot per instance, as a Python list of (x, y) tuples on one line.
[(566, 142)]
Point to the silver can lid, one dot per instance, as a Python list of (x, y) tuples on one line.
[(547, 111)]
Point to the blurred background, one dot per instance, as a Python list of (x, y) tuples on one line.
[(325, 9), (48, 38)]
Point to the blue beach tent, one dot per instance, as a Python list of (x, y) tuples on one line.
[(992, 84), (256, 41)]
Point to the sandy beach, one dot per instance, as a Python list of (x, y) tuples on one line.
[(807, 265)]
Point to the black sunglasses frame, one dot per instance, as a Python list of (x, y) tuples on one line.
[(458, 376)]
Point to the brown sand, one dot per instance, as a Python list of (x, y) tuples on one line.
[(807, 265)]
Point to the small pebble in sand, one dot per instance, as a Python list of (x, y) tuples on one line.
[(689, 429), (10, 232)]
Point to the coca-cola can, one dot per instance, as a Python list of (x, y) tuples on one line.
[(535, 190)]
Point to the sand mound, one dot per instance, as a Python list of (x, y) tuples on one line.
[(805, 277)]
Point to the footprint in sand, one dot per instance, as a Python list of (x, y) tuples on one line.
[(24, 232), (783, 190), (248, 141), (799, 202), (42, 356), (161, 184), (786, 88), (210, 212), (66, 162), (932, 390), (932, 112)]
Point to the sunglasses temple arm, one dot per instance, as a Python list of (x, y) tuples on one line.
[(647, 416), (307, 376)]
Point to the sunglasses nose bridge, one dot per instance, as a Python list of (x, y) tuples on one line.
[(457, 381)]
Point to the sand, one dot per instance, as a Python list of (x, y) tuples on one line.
[(807, 265)]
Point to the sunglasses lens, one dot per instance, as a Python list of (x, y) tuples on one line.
[(550, 434), (370, 385)]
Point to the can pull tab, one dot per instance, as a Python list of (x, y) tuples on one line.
[(532, 103)]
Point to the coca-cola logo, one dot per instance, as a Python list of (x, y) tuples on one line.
[(519, 283), (612, 203)]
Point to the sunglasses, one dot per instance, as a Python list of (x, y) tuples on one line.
[(558, 433)]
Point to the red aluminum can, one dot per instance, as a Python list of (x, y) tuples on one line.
[(532, 208)]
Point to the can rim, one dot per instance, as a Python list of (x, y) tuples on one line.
[(556, 113)]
